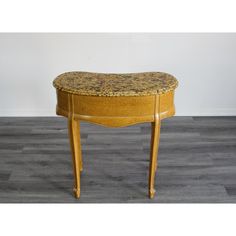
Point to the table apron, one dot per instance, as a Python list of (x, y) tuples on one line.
[(115, 111)]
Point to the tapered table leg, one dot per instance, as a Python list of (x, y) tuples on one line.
[(153, 156), (74, 135)]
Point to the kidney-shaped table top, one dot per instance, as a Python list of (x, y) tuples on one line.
[(101, 84)]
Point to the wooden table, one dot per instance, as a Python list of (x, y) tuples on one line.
[(114, 100)]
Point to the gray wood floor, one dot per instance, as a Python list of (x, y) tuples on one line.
[(197, 162)]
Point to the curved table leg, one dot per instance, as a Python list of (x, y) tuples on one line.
[(153, 155), (74, 135)]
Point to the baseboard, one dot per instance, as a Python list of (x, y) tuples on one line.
[(20, 113), (210, 112), (47, 113)]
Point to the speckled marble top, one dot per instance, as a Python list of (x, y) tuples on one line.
[(131, 84)]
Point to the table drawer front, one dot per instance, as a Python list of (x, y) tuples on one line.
[(114, 106)]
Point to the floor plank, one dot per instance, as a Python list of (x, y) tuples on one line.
[(197, 161)]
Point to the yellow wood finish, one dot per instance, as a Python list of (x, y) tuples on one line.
[(73, 127), (117, 111), (154, 147)]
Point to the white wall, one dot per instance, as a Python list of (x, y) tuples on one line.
[(204, 64)]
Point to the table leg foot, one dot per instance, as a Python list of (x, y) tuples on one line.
[(76, 192), (152, 193)]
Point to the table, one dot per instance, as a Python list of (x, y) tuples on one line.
[(114, 100)]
